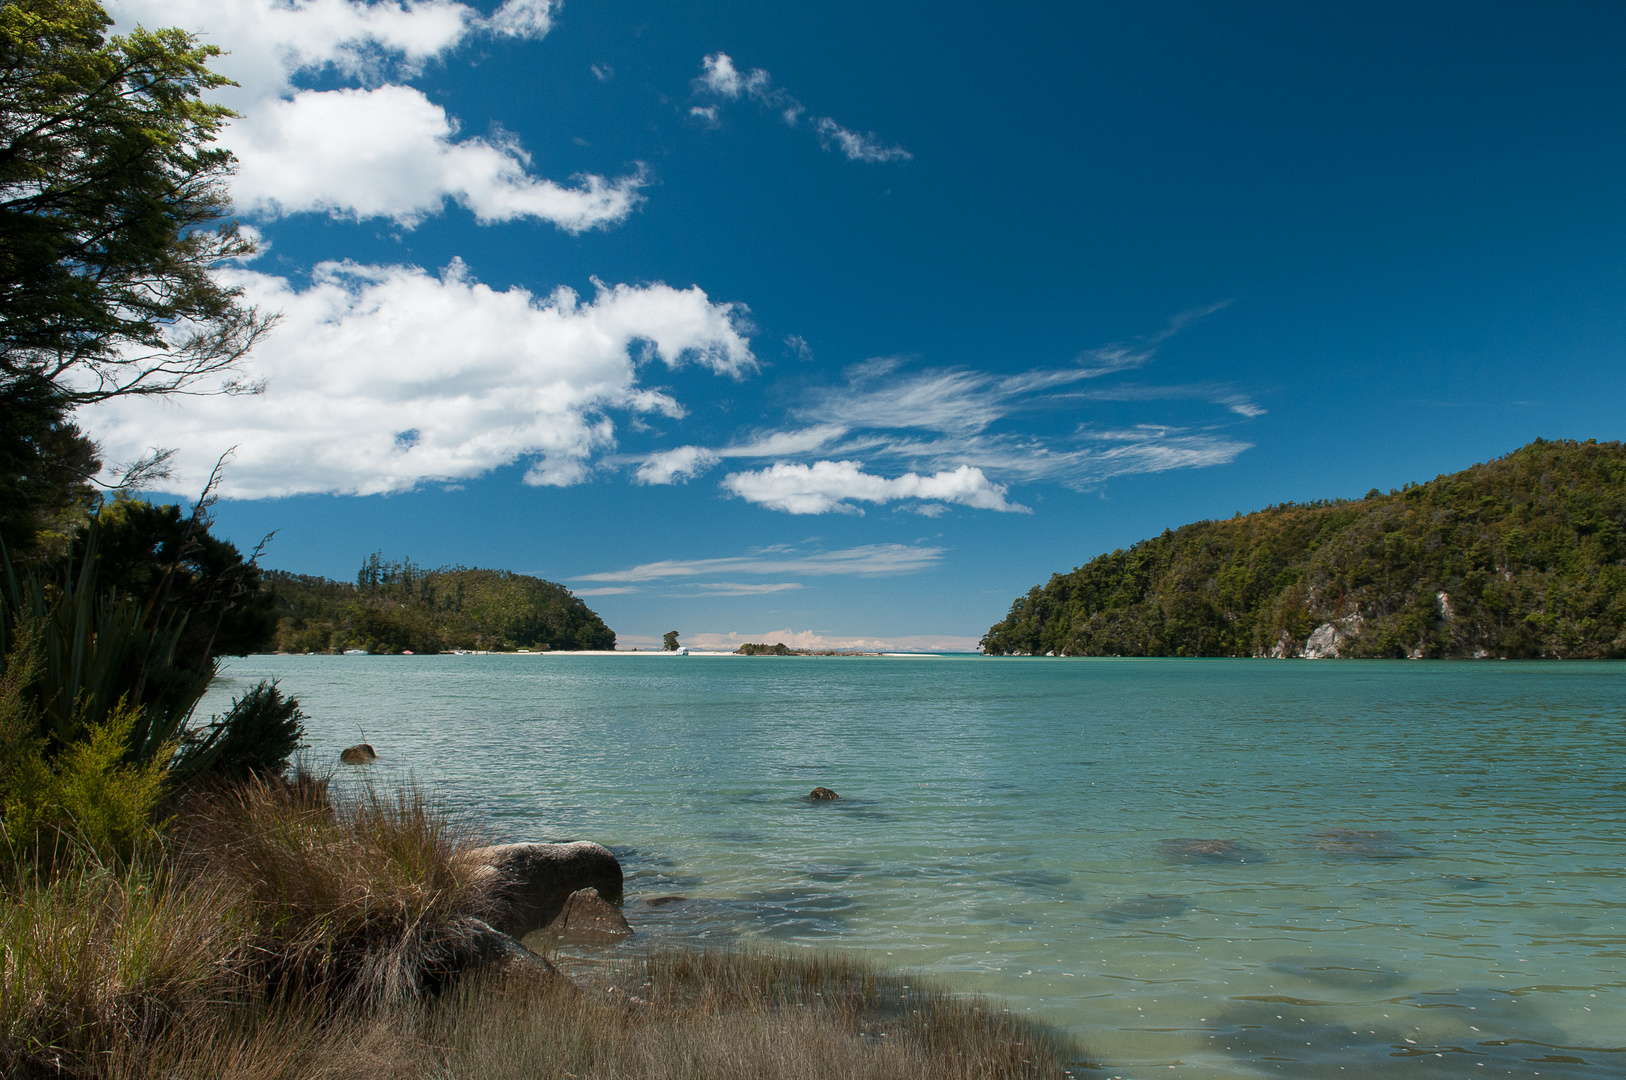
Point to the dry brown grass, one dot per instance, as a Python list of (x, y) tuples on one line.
[(95, 958), (671, 1015)]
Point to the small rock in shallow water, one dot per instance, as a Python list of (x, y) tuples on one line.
[(1214, 851), (359, 754), (663, 901), (821, 793)]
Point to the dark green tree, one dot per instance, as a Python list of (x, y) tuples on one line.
[(669, 641), (44, 464), (165, 560), (114, 215), (113, 209)]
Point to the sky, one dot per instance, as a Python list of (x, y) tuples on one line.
[(844, 324)]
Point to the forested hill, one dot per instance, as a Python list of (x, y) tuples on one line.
[(1523, 556), (394, 607)]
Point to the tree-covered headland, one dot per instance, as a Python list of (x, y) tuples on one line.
[(1523, 556), (395, 607)]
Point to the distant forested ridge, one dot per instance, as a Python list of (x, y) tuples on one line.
[(1524, 556), (395, 607)]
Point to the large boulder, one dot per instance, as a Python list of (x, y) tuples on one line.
[(535, 880), (359, 754)]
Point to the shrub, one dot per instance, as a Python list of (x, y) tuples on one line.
[(256, 737)]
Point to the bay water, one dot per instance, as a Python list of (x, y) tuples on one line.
[(1198, 868)]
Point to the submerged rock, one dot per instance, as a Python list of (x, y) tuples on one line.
[(359, 754), (1213, 851), (819, 794), (1150, 906), (587, 920), (535, 880), (1340, 972), (1366, 844), (665, 901)]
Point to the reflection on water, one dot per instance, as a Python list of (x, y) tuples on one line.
[(1202, 868)]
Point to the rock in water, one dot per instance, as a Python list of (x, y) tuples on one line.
[(1366, 844), (588, 920), (1214, 851), (1150, 906), (821, 793), (359, 754), (535, 880)]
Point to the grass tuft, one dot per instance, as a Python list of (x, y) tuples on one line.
[(368, 900)]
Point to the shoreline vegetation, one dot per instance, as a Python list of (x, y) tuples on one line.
[(400, 607), (1522, 557), (272, 929)]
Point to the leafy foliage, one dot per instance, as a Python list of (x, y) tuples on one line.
[(83, 795), (113, 208), (399, 606), (254, 739), (98, 686), (764, 649), (100, 652), (165, 560), (1524, 556), (45, 461)]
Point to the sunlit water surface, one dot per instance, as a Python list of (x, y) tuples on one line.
[(1422, 872)]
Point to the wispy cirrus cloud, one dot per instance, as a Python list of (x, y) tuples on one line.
[(720, 81), (735, 588), (1086, 459), (938, 427), (868, 560)]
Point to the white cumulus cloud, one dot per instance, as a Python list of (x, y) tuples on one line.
[(391, 153), (380, 149), (384, 377), (827, 486)]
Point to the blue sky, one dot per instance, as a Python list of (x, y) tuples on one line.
[(879, 314)]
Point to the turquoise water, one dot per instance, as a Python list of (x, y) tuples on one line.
[(1426, 873)]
